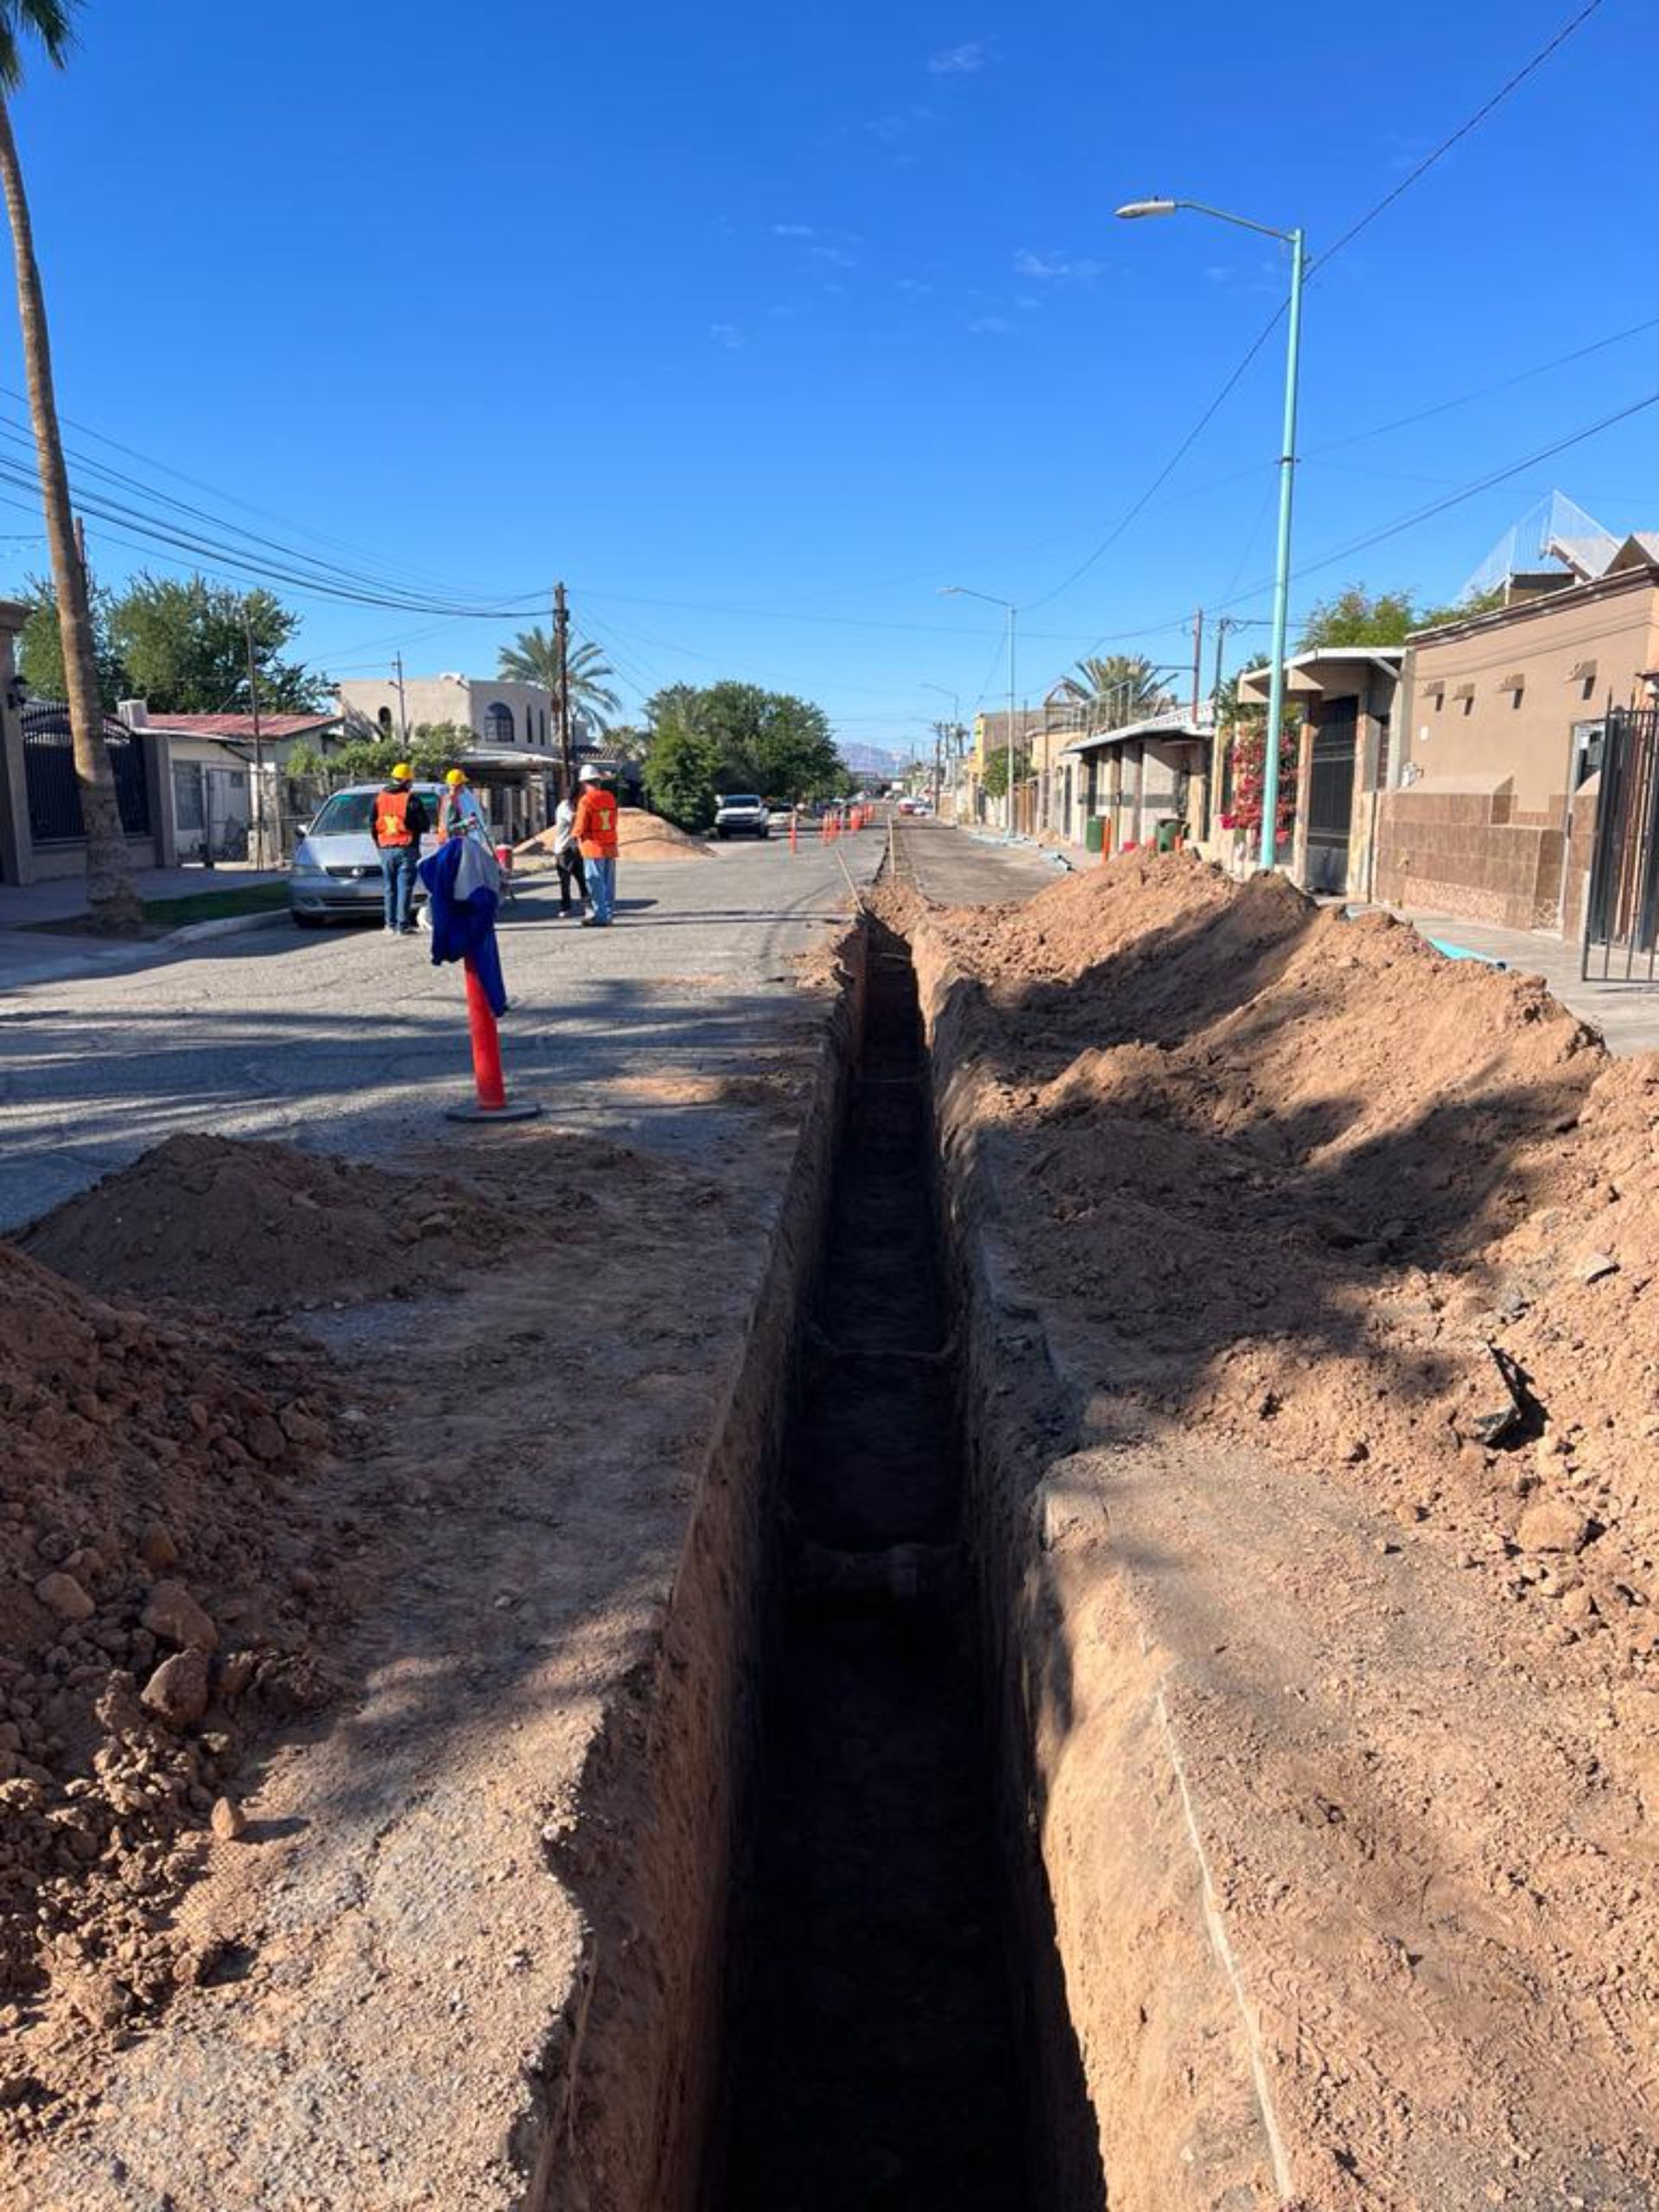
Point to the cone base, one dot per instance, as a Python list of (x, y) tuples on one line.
[(516, 1110)]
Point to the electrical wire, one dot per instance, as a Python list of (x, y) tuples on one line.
[(1473, 123), (1455, 499)]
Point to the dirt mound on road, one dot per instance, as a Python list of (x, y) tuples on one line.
[(238, 1225), (155, 1550), (641, 836)]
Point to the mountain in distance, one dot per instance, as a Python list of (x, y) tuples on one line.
[(871, 760)]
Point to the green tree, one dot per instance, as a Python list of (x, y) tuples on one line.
[(533, 658), (185, 647), (682, 774), (737, 737), (431, 748), (1118, 689), (40, 646), (110, 893), (995, 778), (1358, 618)]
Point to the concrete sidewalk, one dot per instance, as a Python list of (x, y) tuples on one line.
[(31, 951)]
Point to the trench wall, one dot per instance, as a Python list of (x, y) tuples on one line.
[(1122, 1942), (629, 2072)]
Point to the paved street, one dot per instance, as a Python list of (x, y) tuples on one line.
[(349, 1041), (965, 868)]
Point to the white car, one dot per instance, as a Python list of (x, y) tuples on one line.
[(741, 814)]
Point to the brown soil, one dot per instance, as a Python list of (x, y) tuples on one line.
[(238, 1225), (1277, 1153), (1357, 1248), (642, 836), (144, 1468)]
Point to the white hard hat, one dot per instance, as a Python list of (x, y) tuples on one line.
[(590, 775)]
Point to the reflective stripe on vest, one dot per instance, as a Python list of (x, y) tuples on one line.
[(391, 825), (598, 813)]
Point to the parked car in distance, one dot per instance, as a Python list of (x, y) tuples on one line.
[(741, 814), (336, 876)]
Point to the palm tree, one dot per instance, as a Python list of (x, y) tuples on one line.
[(110, 893), (1118, 688), (533, 658)]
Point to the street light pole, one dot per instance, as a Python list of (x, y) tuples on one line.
[(955, 697), (965, 591), (1296, 240)]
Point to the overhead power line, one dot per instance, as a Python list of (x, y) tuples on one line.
[(1457, 499), (1413, 176)]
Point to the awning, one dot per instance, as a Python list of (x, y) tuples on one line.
[(1169, 729)]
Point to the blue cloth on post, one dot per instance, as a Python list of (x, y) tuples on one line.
[(463, 889)]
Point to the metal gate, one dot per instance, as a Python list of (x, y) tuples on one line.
[(1621, 912), (1330, 795), (53, 790)]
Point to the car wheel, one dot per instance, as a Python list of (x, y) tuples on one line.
[(764, 836), (304, 921), (720, 836)]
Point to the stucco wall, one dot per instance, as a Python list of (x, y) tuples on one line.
[(1525, 736)]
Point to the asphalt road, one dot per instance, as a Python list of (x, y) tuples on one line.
[(962, 868), (349, 1041)]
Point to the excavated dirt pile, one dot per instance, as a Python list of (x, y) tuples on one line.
[(641, 836), (1307, 1182), (161, 1597), (240, 1225)]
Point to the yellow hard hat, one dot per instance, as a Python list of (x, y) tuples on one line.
[(456, 776), (402, 773)]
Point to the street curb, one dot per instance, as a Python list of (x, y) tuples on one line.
[(223, 925)]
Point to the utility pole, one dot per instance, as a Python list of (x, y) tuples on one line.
[(260, 857), (561, 704), (1197, 657), (402, 702)]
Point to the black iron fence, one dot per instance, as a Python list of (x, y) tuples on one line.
[(53, 791), (1622, 908)]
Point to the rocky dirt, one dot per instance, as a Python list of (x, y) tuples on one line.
[(159, 1553), (1349, 1253)]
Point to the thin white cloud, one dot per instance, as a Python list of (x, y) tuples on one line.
[(793, 231), (963, 61), (728, 335), (836, 256), (1055, 267), (991, 326)]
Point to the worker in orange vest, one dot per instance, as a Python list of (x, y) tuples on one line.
[(596, 833), (397, 825)]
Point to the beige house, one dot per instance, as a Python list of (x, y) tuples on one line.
[(1492, 801), (499, 712)]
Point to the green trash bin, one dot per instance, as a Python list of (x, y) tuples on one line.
[(1170, 830), (1094, 833)]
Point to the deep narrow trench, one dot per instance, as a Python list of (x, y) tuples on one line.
[(870, 2054)]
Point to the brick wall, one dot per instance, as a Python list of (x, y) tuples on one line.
[(1471, 853)]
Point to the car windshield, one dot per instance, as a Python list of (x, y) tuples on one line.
[(741, 798), (347, 814)]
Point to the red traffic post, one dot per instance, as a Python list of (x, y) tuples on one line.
[(492, 1104)]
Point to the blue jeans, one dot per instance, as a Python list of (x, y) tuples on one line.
[(398, 864), (601, 887)]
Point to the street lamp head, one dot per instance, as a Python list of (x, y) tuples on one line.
[(1132, 210), (949, 591)]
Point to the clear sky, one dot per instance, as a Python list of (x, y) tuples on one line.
[(759, 325)]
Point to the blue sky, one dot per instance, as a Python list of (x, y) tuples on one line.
[(759, 325)]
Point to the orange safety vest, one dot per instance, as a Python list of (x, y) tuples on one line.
[(391, 824), (595, 825)]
